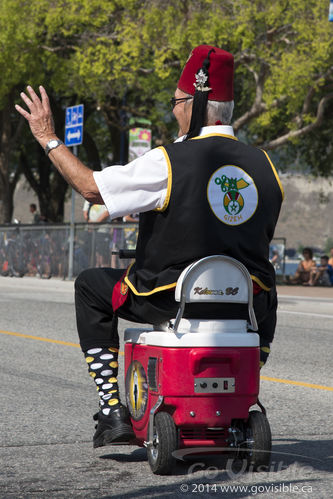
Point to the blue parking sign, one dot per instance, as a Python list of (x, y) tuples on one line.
[(74, 125)]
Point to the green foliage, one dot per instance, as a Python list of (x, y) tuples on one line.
[(104, 50), (19, 32)]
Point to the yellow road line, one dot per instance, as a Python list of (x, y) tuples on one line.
[(297, 383), (266, 378), (39, 338)]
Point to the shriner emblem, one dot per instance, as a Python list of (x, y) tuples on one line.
[(232, 195), (136, 390), (200, 81)]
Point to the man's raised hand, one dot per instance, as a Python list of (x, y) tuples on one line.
[(40, 117)]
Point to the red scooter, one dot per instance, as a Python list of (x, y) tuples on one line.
[(190, 383)]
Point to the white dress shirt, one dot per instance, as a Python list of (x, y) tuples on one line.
[(141, 185)]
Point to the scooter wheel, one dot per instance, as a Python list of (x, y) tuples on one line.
[(160, 456), (259, 440)]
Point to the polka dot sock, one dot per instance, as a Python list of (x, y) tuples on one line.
[(103, 368)]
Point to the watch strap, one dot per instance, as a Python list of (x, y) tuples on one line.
[(52, 144)]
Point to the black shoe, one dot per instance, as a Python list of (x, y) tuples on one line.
[(114, 428)]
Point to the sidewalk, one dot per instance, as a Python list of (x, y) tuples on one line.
[(305, 291)]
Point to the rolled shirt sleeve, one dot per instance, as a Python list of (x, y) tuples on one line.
[(139, 186)]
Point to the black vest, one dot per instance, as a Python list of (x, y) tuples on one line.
[(224, 197)]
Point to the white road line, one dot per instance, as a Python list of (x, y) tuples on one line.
[(287, 298), (312, 314)]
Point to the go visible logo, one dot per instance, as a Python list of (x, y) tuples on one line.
[(232, 195)]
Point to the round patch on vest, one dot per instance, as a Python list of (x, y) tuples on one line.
[(232, 195)]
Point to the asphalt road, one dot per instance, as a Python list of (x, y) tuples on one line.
[(47, 400)]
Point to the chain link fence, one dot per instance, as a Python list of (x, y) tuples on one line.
[(44, 250)]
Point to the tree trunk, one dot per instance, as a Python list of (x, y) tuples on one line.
[(116, 120), (47, 183), (6, 203), (7, 144), (93, 158)]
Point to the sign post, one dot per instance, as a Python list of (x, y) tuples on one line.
[(330, 12), (73, 138)]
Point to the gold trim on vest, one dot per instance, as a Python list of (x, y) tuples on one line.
[(168, 193), (275, 173), (261, 284), (214, 135), (147, 293)]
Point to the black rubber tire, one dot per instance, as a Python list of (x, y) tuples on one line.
[(160, 456), (258, 429)]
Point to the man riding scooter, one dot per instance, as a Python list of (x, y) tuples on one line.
[(207, 193)]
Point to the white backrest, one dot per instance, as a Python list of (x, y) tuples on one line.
[(214, 279)]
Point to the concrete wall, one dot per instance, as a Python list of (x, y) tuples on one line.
[(307, 212)]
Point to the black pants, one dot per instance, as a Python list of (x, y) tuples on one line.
[(98, 326)]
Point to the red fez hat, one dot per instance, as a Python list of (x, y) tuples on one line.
[(221, 72)]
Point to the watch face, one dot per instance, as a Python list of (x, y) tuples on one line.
[(52, 143)]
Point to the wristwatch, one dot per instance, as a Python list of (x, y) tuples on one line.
[(52, 144)]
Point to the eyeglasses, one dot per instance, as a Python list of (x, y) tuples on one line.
[(175, 101)]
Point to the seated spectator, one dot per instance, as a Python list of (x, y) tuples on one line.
[(303, 272), (330, 261), (323, 274)]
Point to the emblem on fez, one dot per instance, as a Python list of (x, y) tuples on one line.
[(233, 201), (200, 80)]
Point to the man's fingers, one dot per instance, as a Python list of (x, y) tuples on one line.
[(35, 99), (26, 99), (45, 98), (33, 95), (33, 102), (40, 116), (22, 111)]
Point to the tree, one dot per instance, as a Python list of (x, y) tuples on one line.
[(291, 63), (23, 28), (284, 61), (9, 136), (23, 59), (313, 149), (18, 62)]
